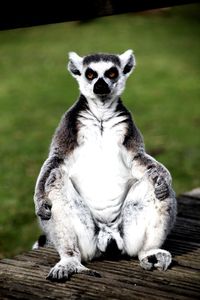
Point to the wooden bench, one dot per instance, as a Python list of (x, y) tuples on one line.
[(23, 277)]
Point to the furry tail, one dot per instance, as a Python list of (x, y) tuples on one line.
[(41, 242)]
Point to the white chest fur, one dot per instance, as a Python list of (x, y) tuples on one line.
[(98, 168)]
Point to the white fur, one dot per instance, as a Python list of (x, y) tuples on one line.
[(124, 57), (100, 174), (77, 61), (101, 185), (97, 153), (86, 87)]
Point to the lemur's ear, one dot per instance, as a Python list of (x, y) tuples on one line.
[(128, 62), (75, 64)]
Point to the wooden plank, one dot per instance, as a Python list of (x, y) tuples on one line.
[(120, 280), (30, 14), (184, 202), (186, 230), (24, 276), (195, 193)]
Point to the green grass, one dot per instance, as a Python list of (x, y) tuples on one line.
[(35, 90)]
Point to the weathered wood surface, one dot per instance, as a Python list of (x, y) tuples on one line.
[(24, 276), (31, 14)]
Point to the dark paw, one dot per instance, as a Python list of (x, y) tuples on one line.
[(58, 275), (161, 189), (63, 271), (44, 210), (160, 184), (160, 259)]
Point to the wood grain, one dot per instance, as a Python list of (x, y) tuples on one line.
[(23, 277)]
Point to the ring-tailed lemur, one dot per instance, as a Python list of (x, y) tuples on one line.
[(98, 185)]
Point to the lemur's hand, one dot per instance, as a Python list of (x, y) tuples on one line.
[(43, 209), (160, 184)]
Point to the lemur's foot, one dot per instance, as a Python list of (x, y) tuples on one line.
[(44, 209), (66, 267), (157, 258), (160, 184)]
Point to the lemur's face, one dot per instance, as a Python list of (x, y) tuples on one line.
[(101, 76)]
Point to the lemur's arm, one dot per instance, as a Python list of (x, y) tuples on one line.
[(48, 175), (142, 163), (63, 143), (145, 165)]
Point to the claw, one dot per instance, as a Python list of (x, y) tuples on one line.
[(64, 269)]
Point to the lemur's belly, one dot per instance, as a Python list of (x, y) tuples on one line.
[(101, 178)]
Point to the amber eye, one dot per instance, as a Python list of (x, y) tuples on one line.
[(112, 73), (90, 74)]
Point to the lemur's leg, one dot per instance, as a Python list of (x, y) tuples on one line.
[(147, 221), (70, 229)]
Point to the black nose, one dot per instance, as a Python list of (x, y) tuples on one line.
[(101, 87)]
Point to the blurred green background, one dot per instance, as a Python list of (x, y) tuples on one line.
[(35, 90)]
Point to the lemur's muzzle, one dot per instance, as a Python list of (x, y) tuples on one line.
[(101, 87)]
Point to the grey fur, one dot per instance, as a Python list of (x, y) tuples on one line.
[(83, 216), (101, 57)]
